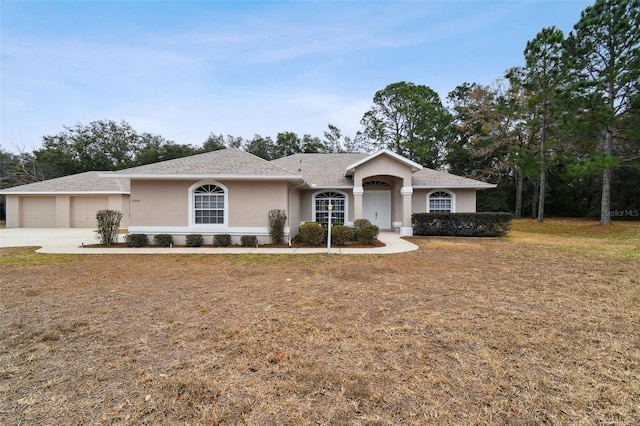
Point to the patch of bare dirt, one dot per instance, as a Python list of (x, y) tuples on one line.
[(462, 331)]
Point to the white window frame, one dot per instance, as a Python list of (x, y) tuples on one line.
[(451, 194), (346, 204), (192, 209)]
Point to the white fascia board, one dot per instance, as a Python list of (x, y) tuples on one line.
[(173, 176), (63, 192), (478, 186), (315, 186), (414, 166)]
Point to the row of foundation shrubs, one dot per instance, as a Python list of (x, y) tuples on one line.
[(461, 224), (191, 240), (315, 234)]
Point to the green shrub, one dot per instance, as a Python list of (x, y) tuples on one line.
[(367, 234), (359, 223), (108, 226), (311, 233), (248, 241), (341, 235), (194, 240), (277, 221), (163, 240), (136, 240), (461, 224), (222, 240)]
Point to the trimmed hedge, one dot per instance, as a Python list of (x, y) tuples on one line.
[(136, 240), (194, 240), (248, 241), (341, 234), (311, 233), (163, 240), (367, 234), (222, 240), (461, 224)]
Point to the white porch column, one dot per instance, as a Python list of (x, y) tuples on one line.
[(357, 202), (406, 229)]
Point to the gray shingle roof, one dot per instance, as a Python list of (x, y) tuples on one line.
[(328, 170), (88, 182), (224, 162), (429, 178), (321, 170), (325, 170)]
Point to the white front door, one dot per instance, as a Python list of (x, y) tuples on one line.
[(376, 206)]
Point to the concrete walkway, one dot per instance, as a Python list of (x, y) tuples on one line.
[(71, 240)]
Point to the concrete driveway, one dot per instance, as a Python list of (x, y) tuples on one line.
[(50, 237), (71, 240)]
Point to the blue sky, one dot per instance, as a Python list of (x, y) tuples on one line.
[(183, 69)]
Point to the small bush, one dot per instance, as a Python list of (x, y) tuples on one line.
[(277, 221), (108, 226), (222, 240), (311, 233), (359, 223), (341, 235), (248, 241), (462, 224), (194, 240), (367, 234), (163, 240), (136, 240)]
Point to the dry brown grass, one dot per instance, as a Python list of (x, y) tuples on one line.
[(535, 328)]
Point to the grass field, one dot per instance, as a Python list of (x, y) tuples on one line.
[(539, 327)]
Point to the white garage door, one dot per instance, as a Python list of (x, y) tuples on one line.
[(38, 212), (84, 209)]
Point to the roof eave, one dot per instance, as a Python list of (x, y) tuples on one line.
[(63, 192), (458, 186), (192, 176)]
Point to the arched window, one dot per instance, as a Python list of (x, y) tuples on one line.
[(209, 203), (321, 203), (440, 202)]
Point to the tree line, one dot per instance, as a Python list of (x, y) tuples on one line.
[(559, 135)]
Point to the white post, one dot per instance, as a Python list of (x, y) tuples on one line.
[(330, 208)]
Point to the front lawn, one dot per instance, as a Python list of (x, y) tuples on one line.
[(539, 327)]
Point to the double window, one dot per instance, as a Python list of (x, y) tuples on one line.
[(209, 205), (440, 202), (321, 207)]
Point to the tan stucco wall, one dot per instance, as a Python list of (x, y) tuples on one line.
[(12, 203), (381, 166), (294, 211), (250, 202), (465, 200), (159, 203), (120, 202), (166, 203)]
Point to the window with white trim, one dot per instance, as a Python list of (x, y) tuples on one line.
[(321, 204), (208, 204), (440, 202)]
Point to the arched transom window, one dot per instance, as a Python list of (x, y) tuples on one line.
[(321, 204), (208, 204), (375, 183), (440, 202)]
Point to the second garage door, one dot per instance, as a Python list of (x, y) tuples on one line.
[(84, 209)]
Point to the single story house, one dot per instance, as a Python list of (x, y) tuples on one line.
[(231, 192)]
